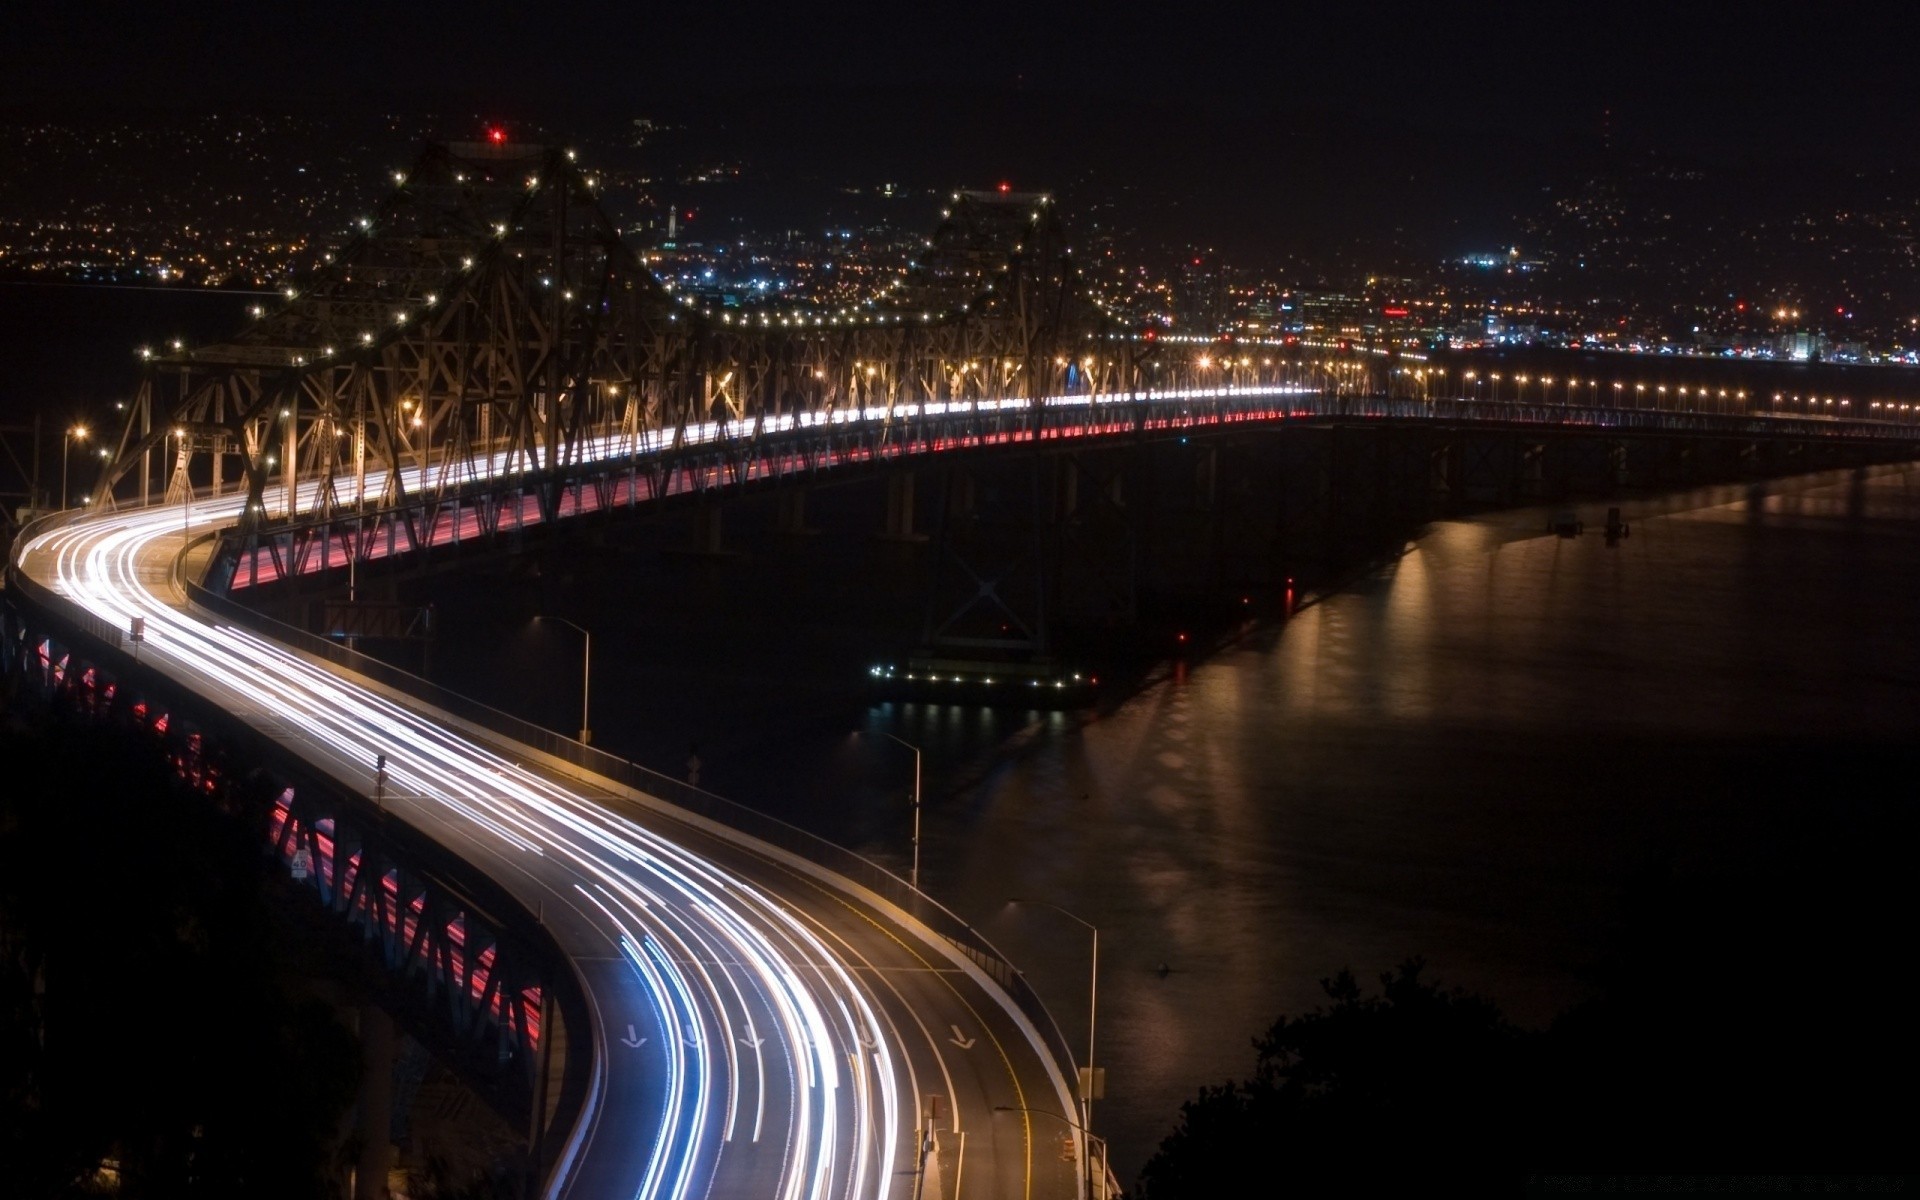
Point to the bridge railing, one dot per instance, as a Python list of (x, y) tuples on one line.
[(771, 830), (17, 580), (769, 448), (460, 1021)]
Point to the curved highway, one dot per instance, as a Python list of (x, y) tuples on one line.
[(761, 1028)]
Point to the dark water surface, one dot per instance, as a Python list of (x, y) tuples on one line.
[(1469, 754)]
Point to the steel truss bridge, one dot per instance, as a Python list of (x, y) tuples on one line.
[(487, 355), (679, 996)]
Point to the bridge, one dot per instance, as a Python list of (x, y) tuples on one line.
[(677, 996)]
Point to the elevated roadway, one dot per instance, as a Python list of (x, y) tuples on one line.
[(761, 1025)]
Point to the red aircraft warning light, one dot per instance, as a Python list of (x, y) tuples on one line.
[(497, 135), (1005, 187)]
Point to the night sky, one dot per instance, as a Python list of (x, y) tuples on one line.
[(1827, 79), (1261, 130)]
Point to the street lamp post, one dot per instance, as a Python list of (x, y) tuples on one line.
[(586, 674), (77, 433), (1089, 1134), (186, 485), (1093, 1006), (914, 877)]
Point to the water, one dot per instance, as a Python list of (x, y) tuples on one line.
[(1468, 755)]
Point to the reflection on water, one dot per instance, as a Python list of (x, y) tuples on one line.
[(1463, 756)]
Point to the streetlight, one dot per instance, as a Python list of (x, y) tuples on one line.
[(586, 674), (179, 436), (1090, 1135), (76, 434), (1093, 1002), (914, 877)]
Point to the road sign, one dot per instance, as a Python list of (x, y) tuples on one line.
[(302, 863)]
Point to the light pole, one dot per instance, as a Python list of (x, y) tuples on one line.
[(914, 877), (186, 485), (586, 674), (1093, 1005), (1088, 1133), (76, 434)]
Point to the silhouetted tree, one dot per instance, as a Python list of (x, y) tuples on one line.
[(1749, 1015), (148, 1015), (1356, 1095)]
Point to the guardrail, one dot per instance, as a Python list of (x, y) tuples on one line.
[(771, 830), (445, 871), (753, 453)]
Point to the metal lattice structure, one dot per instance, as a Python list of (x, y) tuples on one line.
[(443, 947), (489, 311)]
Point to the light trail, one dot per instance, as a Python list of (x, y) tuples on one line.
[(713, 964), (664, 909)]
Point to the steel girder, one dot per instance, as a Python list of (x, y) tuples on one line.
[(489, 308), (440, 945)]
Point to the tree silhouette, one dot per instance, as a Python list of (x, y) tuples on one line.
[(1359, 1094), (149, 1021), (1749, 1015)]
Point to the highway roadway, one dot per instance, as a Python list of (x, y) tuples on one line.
[(761, 1028)]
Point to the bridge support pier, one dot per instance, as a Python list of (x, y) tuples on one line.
[(1440, 477), (1532, 465), (790, 513), (1095, 551), (708, 531), (899, 526), (375, 1121)]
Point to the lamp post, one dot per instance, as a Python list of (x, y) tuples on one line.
[(914, 877), (186, 484), (76, 434), (1084, 1131), (586, 674), (1093, 1004)]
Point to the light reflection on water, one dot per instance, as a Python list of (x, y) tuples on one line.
[(1463, 756)]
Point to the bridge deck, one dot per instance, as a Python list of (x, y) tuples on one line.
[(756, 1018)]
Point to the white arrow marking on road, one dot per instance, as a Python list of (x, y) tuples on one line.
[(960, 1039), (867, 1038), (753, 1042), (692, 1037), (632, 1040)]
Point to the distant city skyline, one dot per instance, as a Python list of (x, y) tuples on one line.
[(1608, 245)]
